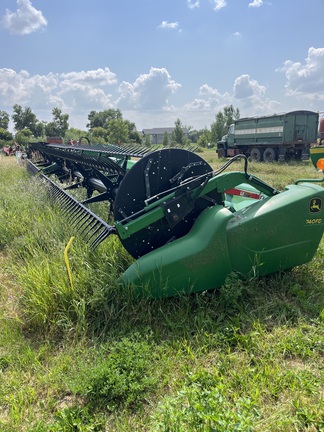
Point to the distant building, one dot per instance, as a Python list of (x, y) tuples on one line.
[(157, 134)]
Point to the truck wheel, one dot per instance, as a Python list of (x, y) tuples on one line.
[(221, 153), (256, 155), (269, 155), (298, 155)]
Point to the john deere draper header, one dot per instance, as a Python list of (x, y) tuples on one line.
[(187, 226)]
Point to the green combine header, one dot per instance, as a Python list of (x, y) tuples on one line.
[(186, 225)]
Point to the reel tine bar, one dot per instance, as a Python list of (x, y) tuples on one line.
[(92, 229)]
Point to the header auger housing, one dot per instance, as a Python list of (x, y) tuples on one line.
[(188, 226)]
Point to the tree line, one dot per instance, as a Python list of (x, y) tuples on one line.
[(107, 126)]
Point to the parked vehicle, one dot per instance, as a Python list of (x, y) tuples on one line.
[(268, 138), (9, 151), (321, 131)]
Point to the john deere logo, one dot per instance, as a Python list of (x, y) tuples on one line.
[(315, 205)]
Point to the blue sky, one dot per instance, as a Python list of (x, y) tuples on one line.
[(159, 60)]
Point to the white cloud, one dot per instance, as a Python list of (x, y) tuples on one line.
[(98, 77), (248, 96), (79, 92), (169, 25), (237, 35), (251, 96), (245, 87), (74, 92), (149, 91), (21, 87), (306, 79), (256, 3), (209, 99), (192, 4), (149, 100), (219, 4), (25, 20)]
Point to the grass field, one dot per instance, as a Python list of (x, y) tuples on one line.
[(84, 356)]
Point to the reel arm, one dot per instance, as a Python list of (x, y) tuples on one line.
[(177, 204)]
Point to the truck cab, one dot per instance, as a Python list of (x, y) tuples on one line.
[(226, 146), (222, 147)]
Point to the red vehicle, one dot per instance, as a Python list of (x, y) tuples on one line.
[(9, 151)]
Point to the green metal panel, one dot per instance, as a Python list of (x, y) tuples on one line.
[(277, 234), (196, 262), (277, 129), (316, 153), (273, 234), (300, 126)]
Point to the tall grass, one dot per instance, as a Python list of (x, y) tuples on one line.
[(86, 356), (35, 233)]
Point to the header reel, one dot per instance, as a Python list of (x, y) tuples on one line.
[(150, 181)]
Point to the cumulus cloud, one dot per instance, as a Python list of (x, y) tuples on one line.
[(247, 95), (79, 90), (98, 77), (256, 3), (251, 96), (209, 99), (193, 4), (25, 20), (169, 25), (147, 101), (149, 91), (219, 4), (245, 87), (306, 79)]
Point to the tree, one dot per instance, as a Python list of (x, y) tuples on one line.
[(194, 135), (59, 125), (23, 137), (222, 120), (103, 118), (5, 137), (4, 120), (133, 135), (112, 122), (24, 119), (165, 139), (205, 138), (76, 134), (99, 135), (147, 141), (39, 129), (203, 141), (177, 133), (231, 114), (218, 127), (118, 131)]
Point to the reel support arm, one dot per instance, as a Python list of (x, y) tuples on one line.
[(171, 206)]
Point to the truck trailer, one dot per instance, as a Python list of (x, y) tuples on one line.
[(269, 138)]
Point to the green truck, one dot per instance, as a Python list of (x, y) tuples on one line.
[(269, 138)]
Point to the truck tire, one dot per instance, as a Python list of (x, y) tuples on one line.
[(269, 155), (221, 153), (298, 155), (256, 155)]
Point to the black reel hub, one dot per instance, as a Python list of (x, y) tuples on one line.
[(152, 178)]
